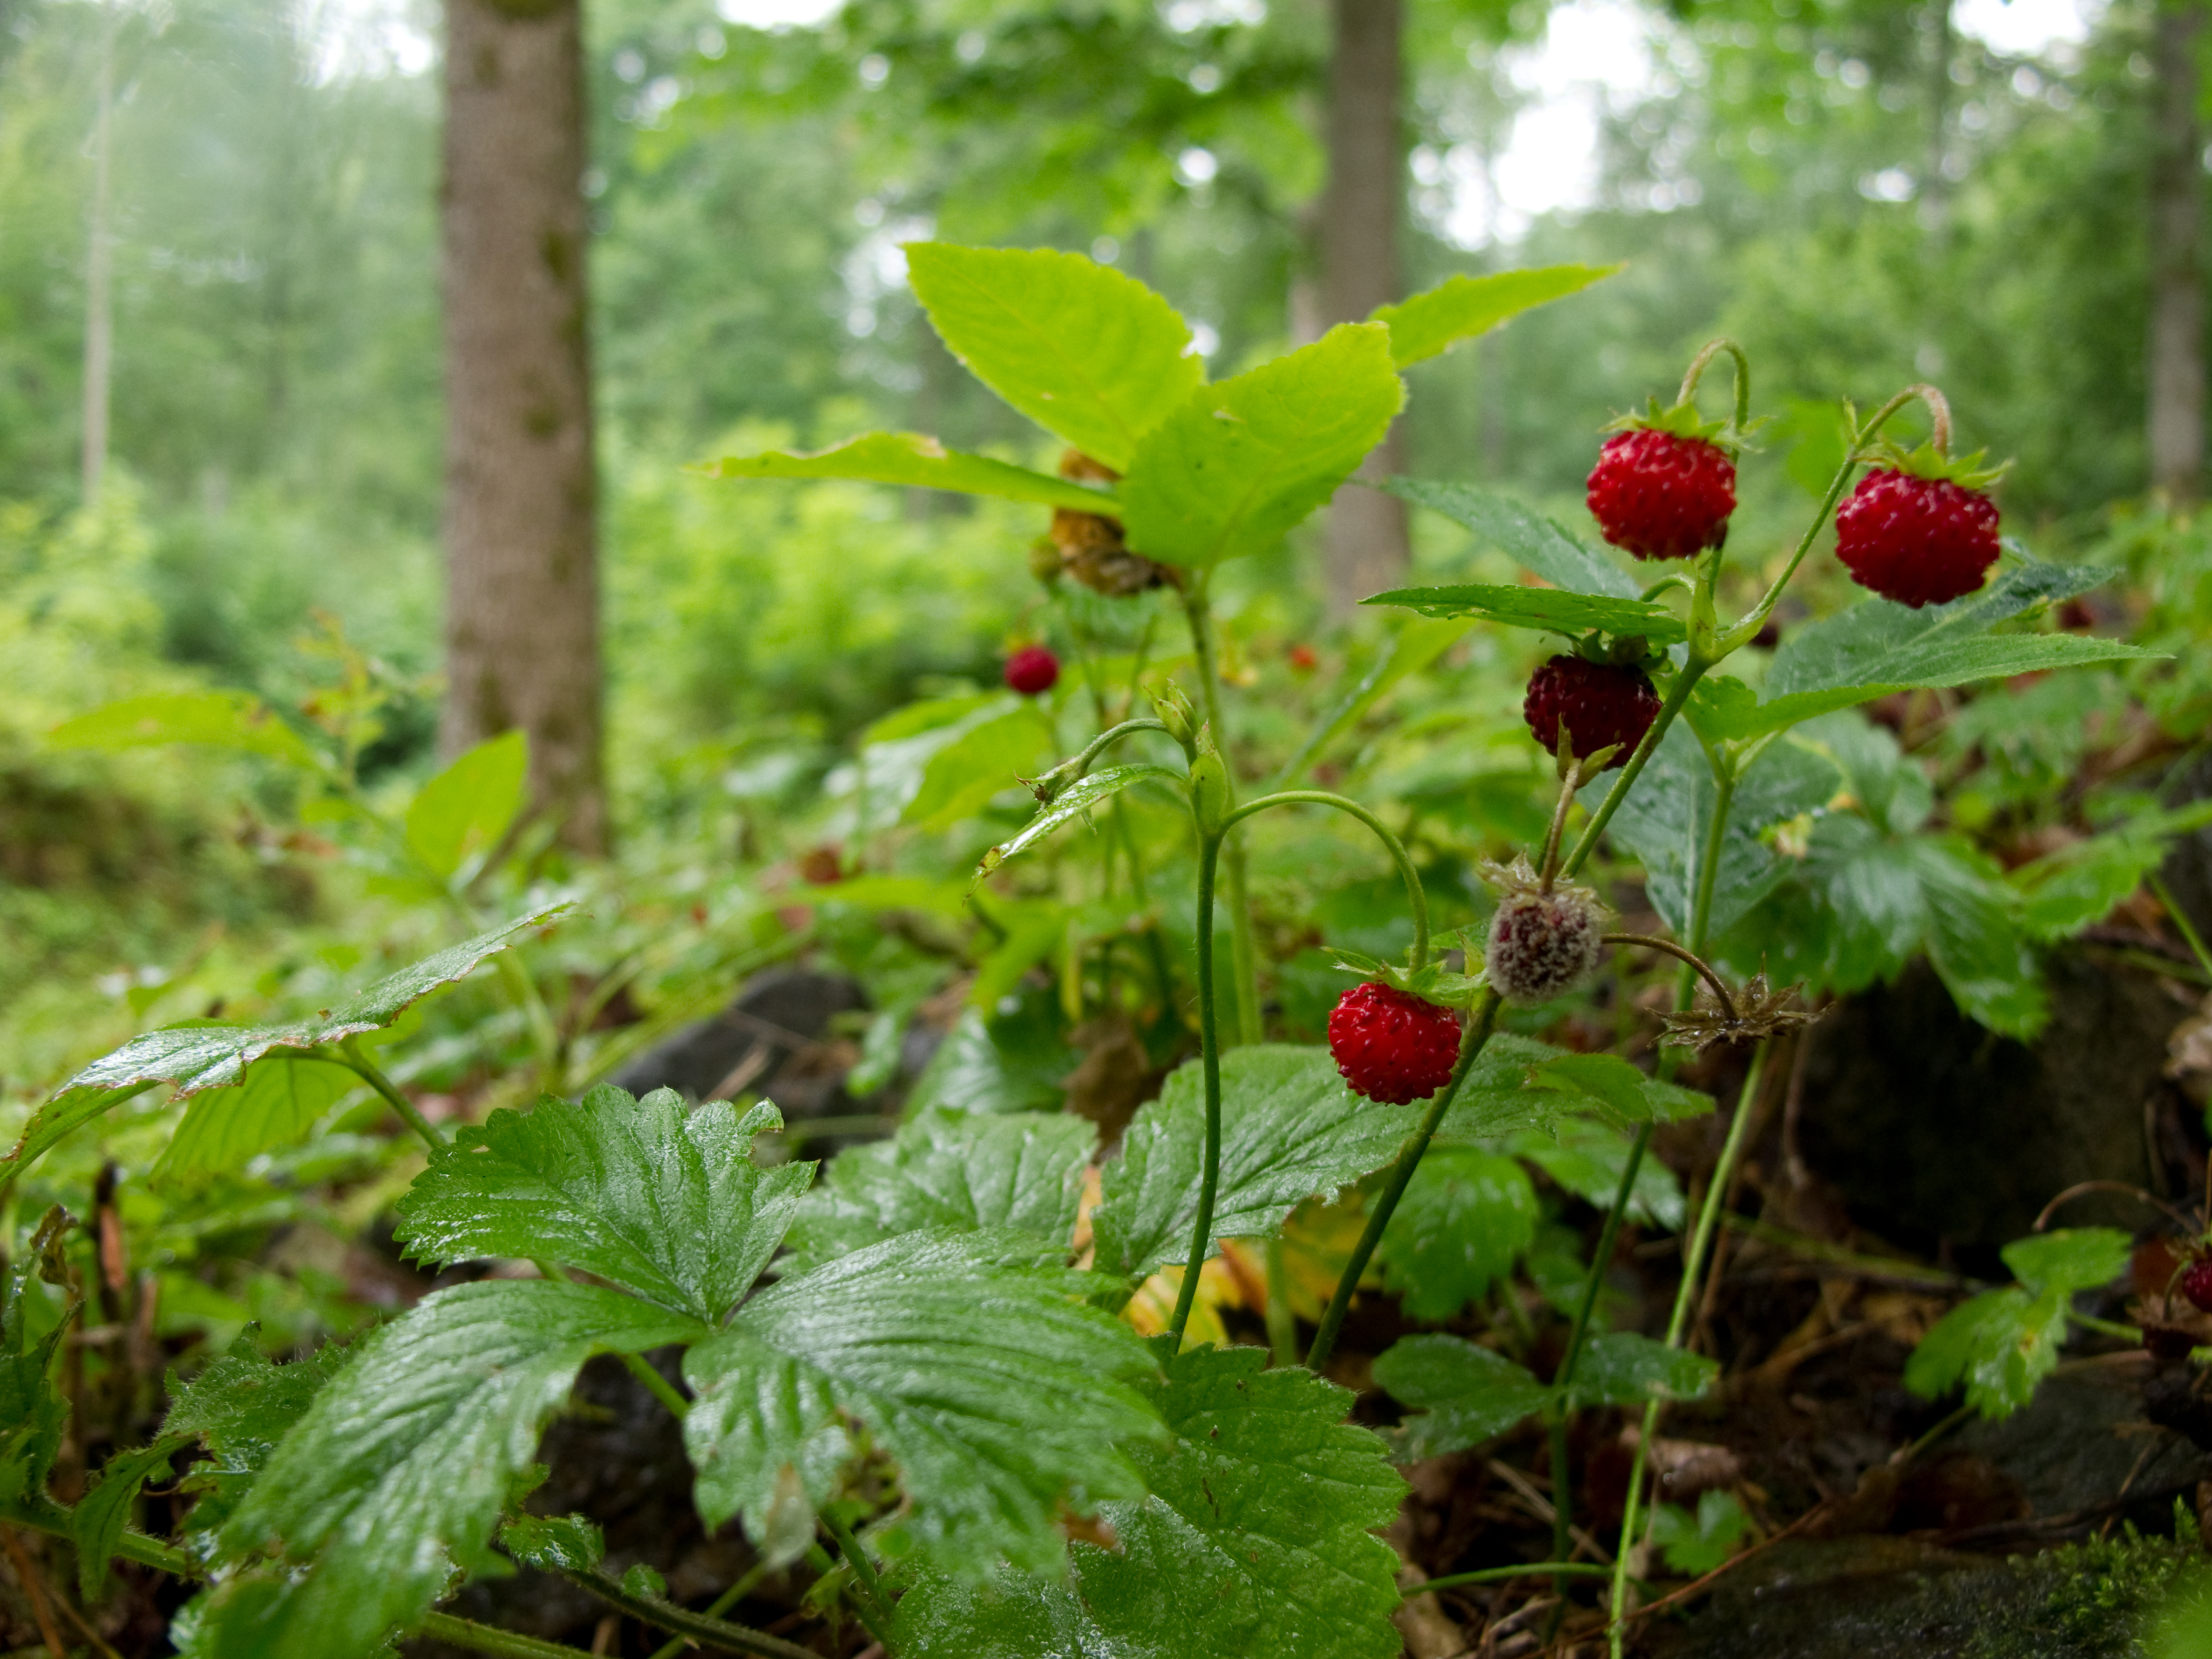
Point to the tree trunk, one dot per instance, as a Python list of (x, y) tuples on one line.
[(1368, 549), (522, 643), (2177, 305)]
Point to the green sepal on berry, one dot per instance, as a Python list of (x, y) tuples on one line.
[(1928, 462), (1683, 421), (1434, 983)]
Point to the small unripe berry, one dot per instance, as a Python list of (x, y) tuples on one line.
[(2196, 1284), (1542, 944), (1032, 671), (1662, 495), (1602, 703), (1918, 541), (1391, 1045)]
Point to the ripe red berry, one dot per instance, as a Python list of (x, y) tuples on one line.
[(1662, 495), (1601, 702), (2196, 1284), (1918, 541), (1032, 671), (1391, 1045), (1542, 944)]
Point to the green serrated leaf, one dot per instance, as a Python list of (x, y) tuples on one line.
[(1877, 648), (974, 1360), (1975, 938), (1257, 1539), (1464, 1220), (223, 720), (1587, 1157), (461, 815), (656, 1198), (97, 1523), (1620, 1368), (987, 756), (1496, 1098), (1462, 1394), (1239, 464), (1088, 353), (917, 462), (1666, 820), (2079, 885), (953, 1171), (1289, 1131), (2000, 1345), (1630, 1095), (243, 1404), (32, 1412), (281, 1100), (1076, 801), (396, 1475), (1523, 534), (551, 1544), (998, 1062), (200, 1056), (2070, 1260), (1553, 609), (1464, 307), (1696, 1544)]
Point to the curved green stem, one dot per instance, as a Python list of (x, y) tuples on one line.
[(1697, 371), (1484, 1020), (1098, 744), (1243, 958), (1686, 681), (874, 1610), (682, 1621), (1667, 946), (350, 1056), (1414, 896), (1209, 1036), (1686, 1297), (1502, 1575)]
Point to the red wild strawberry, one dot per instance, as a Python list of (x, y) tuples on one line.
[(1662, 495), (1601, 703), (1032, 671), (1918, 541), (2196, 1284), (1391, 1045)]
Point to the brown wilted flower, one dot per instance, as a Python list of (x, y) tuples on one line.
[(1760, 1011), (1090, 543)]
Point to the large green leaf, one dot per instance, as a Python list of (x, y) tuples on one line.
[(1289, 1131), (1092, 789), (1465, 1217), (918, 462), (223, 720), (2000, 1345), (1666, 822), (1620, 1368), (1462, 1394), (647, 1193), (1465, 306), (1587, 1159), (396, 1475), (1087, 353), (1628, 1096), (998, 1062), (282, 1098), (2079, 885), (1877, 648), (1523, 534), (1238, 464), (200, 1056), (1257, 1540), (1554, 609), (461, 815), (972, 1358), (953, 1171), (1976, 941), (987, 756), (242, 1405), (1496, 1098)]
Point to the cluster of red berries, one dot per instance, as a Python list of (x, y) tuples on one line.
[(1032, 671), (1391, 1045)]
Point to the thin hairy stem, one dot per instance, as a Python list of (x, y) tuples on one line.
[(1484, 1020), (874, 1610), (1568, 784), (682, 1621), (1411, 878), (2165, 895), (1209, 1037), (1243, 957), (350, 1056), (1651, 942), (676, 1645), (1104, 740), (1709, 1214), (1697, 371)]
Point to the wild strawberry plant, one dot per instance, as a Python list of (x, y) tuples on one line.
[(929, 1359)]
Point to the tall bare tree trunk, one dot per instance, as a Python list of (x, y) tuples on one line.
[(99, 267), (522, 635), (1368, 548), (2176, 414)]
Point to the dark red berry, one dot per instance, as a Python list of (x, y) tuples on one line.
[(1601, 702), (1542, 944), (2196, 1284), (1918, 541), (1391, 1045), (1032, 671), (1662, 495)]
